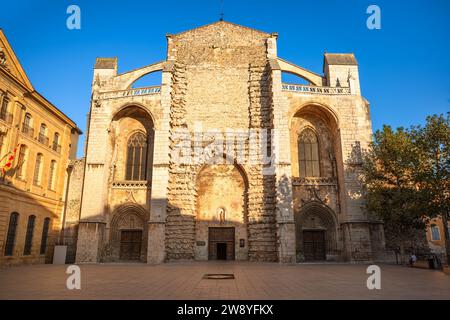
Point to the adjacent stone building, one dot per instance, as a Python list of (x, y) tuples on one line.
[(162, 181), (37, 142), (435, 234)]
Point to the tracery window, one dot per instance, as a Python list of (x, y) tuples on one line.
[(136, 157), (308, 154)]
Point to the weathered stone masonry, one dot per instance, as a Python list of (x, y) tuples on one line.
[(224, 76)]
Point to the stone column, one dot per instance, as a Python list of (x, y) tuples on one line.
[(98, 158), (156, 252), (283, 172), (94, 196), (355, 135)]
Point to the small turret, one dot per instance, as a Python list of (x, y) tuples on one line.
[(104, 70), (341, 70)]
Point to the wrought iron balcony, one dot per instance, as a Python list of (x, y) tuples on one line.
[(7, 117), (56, 147), (28, 131), (42, 138)]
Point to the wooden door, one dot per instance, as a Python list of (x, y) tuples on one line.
[(130, 244), (221, 244), (314, 245)]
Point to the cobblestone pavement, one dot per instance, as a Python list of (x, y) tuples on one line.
[(184, 280)]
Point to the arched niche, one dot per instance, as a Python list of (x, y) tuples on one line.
[(126, 123), (221, 211), (323, 123)]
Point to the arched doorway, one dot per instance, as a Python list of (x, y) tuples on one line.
[(128, 233), (221, 220), (316, 165), (316, 232)]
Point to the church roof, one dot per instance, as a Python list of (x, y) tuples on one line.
[(105, 63), (340, 59), (221, 22)]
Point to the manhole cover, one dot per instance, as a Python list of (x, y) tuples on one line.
[(218, 276)]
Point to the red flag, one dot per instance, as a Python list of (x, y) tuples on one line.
[(9, 162)]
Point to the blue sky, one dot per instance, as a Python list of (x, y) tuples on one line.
[(404, 67)]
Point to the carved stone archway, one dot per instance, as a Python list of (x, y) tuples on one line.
[(127, 217), (315, 216)]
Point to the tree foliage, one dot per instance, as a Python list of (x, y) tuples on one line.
[(407, 173), (433, 172), (392, 192)]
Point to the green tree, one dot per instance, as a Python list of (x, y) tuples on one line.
[(392, 191), (433, 171)]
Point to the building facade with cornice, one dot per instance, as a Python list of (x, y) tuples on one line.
[(224, 161), (37, 143)]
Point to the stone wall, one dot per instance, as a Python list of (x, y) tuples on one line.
[(221, 79), (221, 202), (73, 207), (224, 76)]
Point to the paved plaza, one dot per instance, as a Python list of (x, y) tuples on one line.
[(185, 280)]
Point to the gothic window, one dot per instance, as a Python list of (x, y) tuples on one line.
[(23, 151), (44, 235), (29, 235), (11, 236), (136, 157), (51, 175), (38, 170), (308, 154)]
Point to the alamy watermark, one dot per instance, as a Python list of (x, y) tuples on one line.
[(374, 20), (374, 280), (228, 146), (73, 281), (73, 21)]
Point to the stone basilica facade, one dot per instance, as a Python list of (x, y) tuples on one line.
[(137, 201)]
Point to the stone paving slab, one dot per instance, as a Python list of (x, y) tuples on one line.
[(256, 281)]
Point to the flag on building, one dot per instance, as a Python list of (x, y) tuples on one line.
[(9, 161)]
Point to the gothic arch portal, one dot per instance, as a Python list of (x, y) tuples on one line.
[(128, 233), (315, 226)]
